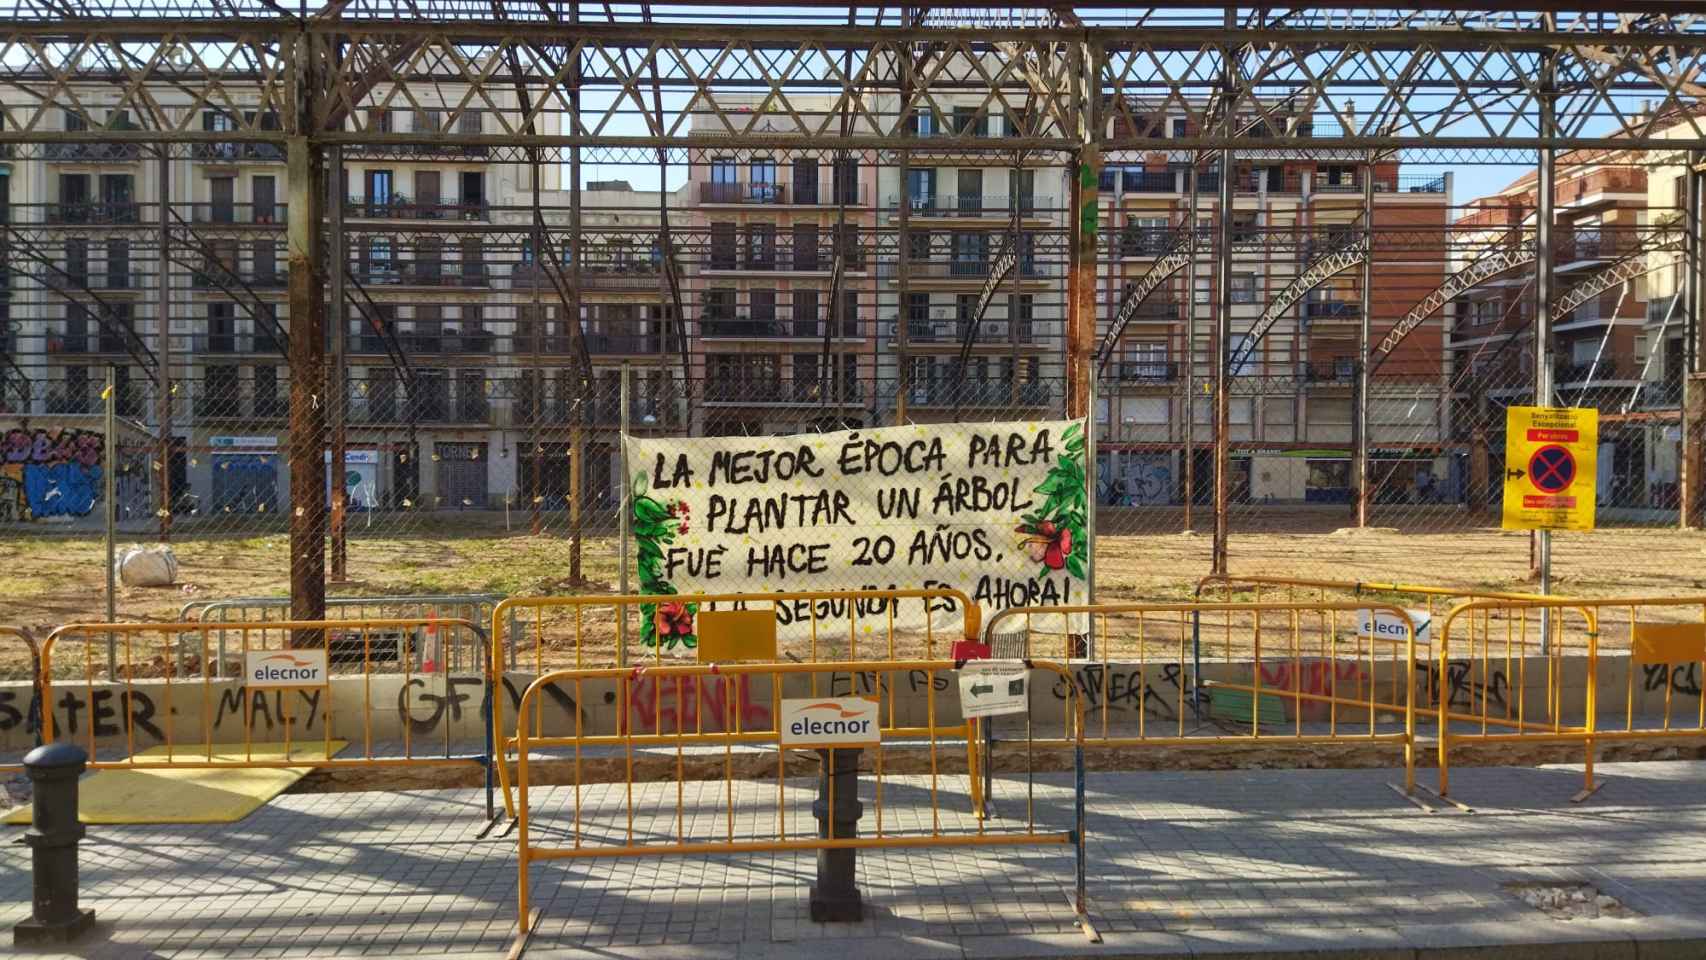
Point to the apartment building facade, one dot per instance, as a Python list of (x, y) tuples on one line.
[(1295, 369), (1601, 348)]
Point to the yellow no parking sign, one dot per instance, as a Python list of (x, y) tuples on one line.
[(1551, 463)]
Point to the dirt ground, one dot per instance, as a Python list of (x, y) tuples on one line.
[(48, 580)]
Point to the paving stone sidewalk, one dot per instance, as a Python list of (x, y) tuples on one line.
[(1179, 864)]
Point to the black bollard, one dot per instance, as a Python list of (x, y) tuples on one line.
[(834, 898), (52, 838)]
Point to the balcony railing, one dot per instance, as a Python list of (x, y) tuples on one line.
[(979, 393), (1319, 310), (1574, 373), (853, 195), (1147, 371), (400, 207), (971, 204), (951, 269), (238, 152), (1146, 242), (92, 152), (93, 212), (210, 277), (264, 213), (606, 344), (1139, 181), (1330, 371), (782, 391), (415, 274)]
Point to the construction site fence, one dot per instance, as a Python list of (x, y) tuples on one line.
[(28, 713), (1570, 671), (372, 702), (1219, 674), (473, 607), (655, 630), (759, 796)]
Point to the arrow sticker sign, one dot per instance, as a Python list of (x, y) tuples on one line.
[(993, 688)]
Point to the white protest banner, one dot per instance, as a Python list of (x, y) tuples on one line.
[(997, 510)]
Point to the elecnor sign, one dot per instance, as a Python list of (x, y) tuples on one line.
[(284, 668), (1386, 625), (829, 722)]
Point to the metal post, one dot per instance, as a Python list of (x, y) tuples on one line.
[(903, 245), (52, 838), (109, 493), (1085, 213), (338, 387), (1692, 472), (1090, 431), (163, 288), (1545, 201), (1364, 336), (577, 426), (834, 898), (1190, 352), (1223, 328), (307, 387), (623, 519)]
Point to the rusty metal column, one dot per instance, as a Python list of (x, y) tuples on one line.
[(1085, 225), (1692, 404), (337, 407), (902, 244), (1364, 327), (1223, 315), (583, 409), (1190, 352), (307, 383), (163, 291)]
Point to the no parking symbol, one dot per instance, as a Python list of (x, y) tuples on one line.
[(1550, 462)]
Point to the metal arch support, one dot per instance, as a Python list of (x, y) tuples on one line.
[(1172, 262), (1477, 273), (1319, 270), (1621, 272), (57, 280)]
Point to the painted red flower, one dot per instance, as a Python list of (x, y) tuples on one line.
[(1048, 544), (673, 620)]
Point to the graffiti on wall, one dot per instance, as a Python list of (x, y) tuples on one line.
[(49, 473)]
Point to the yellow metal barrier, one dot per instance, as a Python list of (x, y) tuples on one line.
[(668, 815), (846, 625), (1437, 599), (1174, 674), (1552, 671), (158, 701), (28, 710)]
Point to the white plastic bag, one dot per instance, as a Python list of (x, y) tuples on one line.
[(148, 567)]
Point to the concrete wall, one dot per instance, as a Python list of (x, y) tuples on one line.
[(434, 708)]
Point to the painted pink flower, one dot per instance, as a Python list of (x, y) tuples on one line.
[(1048, 544), (673, 620)]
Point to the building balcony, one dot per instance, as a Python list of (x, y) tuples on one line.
[(979, 393), (972, 205), (90, 151), (104, 280), (623, 344), (230, 152), (1147, 243), (1329, 372), (1115, 180), (93, 212), (1146, 371), (969, 269), (1328, 311), (235, 213), (415, 274), (803, 392), (400, 207), (1605, 371), (217, 344), (782, 194), (748, 329)]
